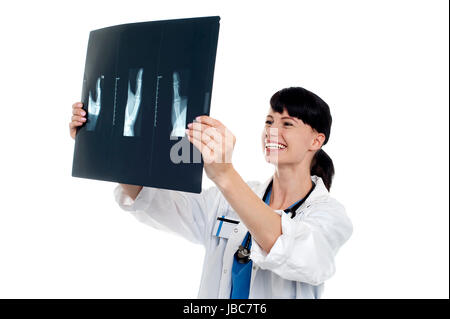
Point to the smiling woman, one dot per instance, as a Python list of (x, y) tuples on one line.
[(272, 239)]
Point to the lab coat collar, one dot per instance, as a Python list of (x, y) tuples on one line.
[(319, 191)]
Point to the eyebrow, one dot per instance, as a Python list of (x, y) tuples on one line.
[(285, 117)]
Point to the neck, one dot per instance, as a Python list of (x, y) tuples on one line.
[(290, 183)]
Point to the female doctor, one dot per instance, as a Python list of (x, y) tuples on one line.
[(276, 239)]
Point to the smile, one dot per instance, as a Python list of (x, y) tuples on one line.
[(275, 146)]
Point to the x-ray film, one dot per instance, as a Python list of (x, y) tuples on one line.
[(143, 83)]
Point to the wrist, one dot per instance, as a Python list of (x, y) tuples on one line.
[(223, 178)]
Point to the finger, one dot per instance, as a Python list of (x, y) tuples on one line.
[(210, 149), (214, 134), (77, 105), (205, 150), (74, 124), (78, 111), (210, 131), (198, 127), (78, 118), (139, 82), (205, 119), (207, 136), (139, 76), (206, 140)]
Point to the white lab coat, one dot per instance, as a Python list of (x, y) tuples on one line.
[(298, 264)]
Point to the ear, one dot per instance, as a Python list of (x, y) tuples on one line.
[(318, 140)]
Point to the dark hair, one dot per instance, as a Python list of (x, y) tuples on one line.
[(312, 110)]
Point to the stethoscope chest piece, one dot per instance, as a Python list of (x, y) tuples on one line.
[(243, 254)]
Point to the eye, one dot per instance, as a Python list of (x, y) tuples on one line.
[(268, 122), (287, 123)]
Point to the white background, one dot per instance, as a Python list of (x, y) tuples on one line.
[(382, 66)]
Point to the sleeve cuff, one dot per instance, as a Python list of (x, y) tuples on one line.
[(279, 252), (142, 201)]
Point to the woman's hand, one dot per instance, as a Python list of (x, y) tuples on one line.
[(215, 142), (78, 118)]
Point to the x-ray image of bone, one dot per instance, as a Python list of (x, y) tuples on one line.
[(179, 106), (133, 104), (94, 106)]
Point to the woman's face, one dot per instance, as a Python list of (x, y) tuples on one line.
[(287, 140)]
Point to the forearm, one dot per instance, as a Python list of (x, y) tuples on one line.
[(261, 220), (131, 190)]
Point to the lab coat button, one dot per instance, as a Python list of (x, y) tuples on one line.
[(235, 230), (224, 271)]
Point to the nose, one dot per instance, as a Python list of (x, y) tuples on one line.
[(271, 132)]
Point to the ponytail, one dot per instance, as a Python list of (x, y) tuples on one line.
[(322, 166)]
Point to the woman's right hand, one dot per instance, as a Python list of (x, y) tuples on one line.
[(78, 118)]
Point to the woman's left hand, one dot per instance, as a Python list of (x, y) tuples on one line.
[(215, 142)]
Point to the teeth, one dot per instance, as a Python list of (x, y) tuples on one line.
[(275, 146)]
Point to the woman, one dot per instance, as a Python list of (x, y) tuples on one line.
[(276, 239)]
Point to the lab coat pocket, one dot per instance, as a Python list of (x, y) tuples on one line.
[(224, 226)]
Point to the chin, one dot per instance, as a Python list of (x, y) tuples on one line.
[(273, 159)]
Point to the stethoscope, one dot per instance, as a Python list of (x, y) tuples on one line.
[(243, 252)]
